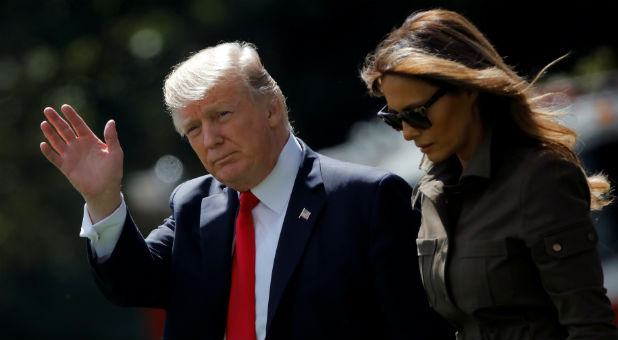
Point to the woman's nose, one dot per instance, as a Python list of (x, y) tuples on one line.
[(409, 132)]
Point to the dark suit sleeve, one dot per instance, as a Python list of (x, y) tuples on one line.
[(137, 271), (395, 265), (558, 229)]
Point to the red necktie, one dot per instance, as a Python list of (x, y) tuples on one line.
[(241, 310)]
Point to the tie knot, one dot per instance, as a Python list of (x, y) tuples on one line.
[(248, 201)]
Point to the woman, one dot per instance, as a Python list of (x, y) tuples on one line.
[(507, 248)]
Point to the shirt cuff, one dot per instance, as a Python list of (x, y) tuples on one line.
[(104, 234)]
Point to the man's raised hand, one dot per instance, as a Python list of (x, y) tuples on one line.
[(94, 168)]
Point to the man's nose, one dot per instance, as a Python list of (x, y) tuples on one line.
[(409, 132), (211, 135)]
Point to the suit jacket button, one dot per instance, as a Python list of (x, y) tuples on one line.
[(591, 236), (557, 247)]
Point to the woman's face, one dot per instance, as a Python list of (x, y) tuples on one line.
[(456, 124)]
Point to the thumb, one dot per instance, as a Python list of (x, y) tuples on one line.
[(111, 136)]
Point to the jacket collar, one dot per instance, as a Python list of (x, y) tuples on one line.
[(480, 164), (306, 202), (449, 172)]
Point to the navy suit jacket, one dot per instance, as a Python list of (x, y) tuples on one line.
[(348, 271)]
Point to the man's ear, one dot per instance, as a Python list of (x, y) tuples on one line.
[(274, 112)]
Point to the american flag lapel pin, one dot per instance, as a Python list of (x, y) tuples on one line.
[(304, 214)]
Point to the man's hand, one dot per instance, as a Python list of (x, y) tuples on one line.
[(94, 168)]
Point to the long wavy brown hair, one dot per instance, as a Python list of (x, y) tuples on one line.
[(443, 46)]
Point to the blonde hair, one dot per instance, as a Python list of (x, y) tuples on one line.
[(443, 46), (190, 80)]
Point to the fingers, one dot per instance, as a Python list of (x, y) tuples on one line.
[(51, 155), (111, 136), (76, 120), (63, 128), (54, 138)]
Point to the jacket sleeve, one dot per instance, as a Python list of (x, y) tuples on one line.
[(558, 229), (394, 263), (137, 271)]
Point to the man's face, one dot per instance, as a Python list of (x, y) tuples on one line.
[(237, 140)]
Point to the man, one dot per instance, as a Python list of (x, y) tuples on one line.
[(276, 242)]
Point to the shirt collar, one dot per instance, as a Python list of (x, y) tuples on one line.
[(275, 190), (480, 164)]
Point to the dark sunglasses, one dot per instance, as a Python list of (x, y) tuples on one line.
[(415, 117)]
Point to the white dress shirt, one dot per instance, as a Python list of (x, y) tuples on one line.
[(274, 194)]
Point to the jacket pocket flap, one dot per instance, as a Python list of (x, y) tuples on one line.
[(570, 242), (426, 247)]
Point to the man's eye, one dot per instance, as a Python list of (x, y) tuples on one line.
[(192, 130), (224, 114)]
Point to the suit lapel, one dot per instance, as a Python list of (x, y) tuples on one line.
[(307, 199), (217, 217)]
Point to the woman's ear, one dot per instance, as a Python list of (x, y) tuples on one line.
[(473, 96)]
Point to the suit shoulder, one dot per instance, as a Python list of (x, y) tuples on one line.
[(196, 188), (339, 173)]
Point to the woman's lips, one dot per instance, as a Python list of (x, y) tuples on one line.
[(425, 147)]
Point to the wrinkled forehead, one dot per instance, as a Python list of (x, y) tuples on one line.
[(224, 93)]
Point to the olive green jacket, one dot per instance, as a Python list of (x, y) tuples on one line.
[(507, 249)]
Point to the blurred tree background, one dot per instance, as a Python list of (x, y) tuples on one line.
[(108, 58)]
